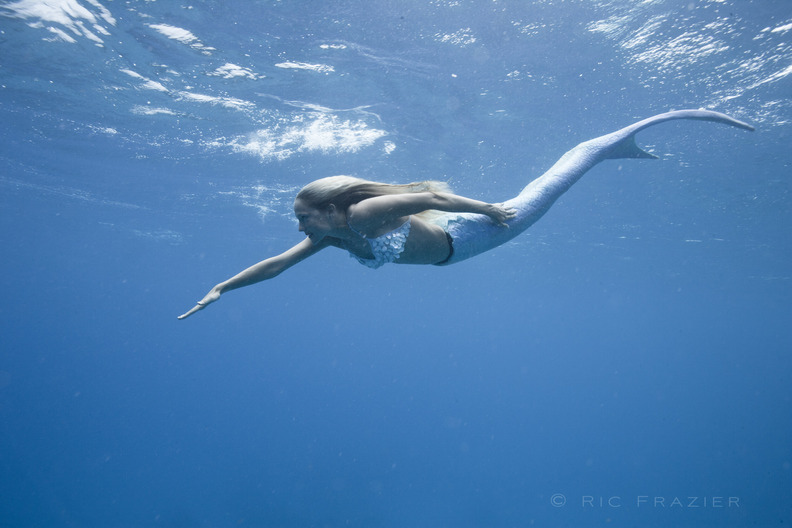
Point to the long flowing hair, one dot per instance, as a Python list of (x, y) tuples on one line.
[(343, 191)]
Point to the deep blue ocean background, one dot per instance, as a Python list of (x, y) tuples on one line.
[(625, 362)]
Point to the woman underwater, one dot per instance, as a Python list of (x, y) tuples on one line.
[(424, 223)]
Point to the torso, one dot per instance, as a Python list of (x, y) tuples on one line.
[(426, 244)]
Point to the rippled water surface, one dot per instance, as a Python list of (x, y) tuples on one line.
[(624, 362)]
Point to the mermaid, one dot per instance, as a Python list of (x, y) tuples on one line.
[(426, 223)]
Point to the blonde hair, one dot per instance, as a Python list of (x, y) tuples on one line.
[(343, 191)]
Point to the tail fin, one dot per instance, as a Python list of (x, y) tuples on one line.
[(629, 149), (623, 141)]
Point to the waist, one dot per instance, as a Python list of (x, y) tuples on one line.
[(450, 250)]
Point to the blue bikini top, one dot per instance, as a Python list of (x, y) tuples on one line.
[(385, 248)]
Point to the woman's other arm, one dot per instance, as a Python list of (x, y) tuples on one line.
[(374, 212), (266, 269)]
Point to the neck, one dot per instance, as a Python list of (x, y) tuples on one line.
[(341, 228)]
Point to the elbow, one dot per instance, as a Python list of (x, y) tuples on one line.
[(441, 202)]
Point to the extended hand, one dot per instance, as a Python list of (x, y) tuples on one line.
[(210, 297), (500, 213)]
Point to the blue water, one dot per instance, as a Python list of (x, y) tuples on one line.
[(627, 361)]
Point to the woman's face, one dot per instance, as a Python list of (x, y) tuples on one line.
[(315, 223)]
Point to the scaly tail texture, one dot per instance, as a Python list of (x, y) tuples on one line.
[(474, 234)]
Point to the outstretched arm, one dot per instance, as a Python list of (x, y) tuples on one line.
[(372, 213), (266, 269)]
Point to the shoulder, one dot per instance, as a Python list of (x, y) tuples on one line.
[(374, 216)]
